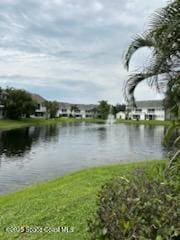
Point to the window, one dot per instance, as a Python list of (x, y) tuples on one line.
[(138, 110), (151, 110), (64, 110)]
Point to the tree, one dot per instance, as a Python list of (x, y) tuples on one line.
[(18, 103), (74, 108), (95, 112), (51, 108), (118, 108), (172, 100), (103, 109), (163, 39), (163, 69)]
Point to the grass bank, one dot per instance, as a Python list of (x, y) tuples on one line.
[(66, 201), (12, 124), (146, 122), (94, 120)]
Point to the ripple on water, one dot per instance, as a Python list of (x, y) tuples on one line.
[(38, 153)]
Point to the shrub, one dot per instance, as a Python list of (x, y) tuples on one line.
[(137, 209)]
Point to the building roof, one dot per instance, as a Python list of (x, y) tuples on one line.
[(38, 98), (149, 104), (80, 106), (64, 105)]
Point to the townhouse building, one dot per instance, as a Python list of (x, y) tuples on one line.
[(77, 110), (40, 110), (144, 110)]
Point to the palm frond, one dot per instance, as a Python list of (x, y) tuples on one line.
[(173, 160), (165, 15), (169, 133), (177, 140), (137, 43), (153, 77), (132, 82), (165, 27), (163, 37)]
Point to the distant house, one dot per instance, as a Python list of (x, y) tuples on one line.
[(65, 109), (40, 110), (144, 110), (2, 97), (77, 110), (1, 111), (121, 115)]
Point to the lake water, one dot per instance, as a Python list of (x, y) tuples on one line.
[(35, 154)]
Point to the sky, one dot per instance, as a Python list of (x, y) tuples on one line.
[(72, 50)]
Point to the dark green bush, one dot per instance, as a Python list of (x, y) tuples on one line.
[(139, 208)]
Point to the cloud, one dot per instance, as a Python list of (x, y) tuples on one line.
[(70, 48)]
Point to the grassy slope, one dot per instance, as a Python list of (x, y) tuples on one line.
[(145, 122), (11, 124), (66, 201), (94, 120)]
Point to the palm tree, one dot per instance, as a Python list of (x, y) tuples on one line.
[(163, 69), (163, 38)]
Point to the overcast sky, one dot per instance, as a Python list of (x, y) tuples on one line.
[(71, 50)]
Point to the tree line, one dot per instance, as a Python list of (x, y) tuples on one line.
[(19, 103)]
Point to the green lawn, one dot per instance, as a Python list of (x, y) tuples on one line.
[(94, 120), (145, 122), (66, 201), (11, 124)]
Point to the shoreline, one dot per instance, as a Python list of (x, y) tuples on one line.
[(6, 124), (130, 164), (65, 201)]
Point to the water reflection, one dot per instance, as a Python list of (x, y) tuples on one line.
[(15, 142), (19, 142), (37, 153), (144, 140), (102, 133)]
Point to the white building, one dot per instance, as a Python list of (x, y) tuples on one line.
[(121, 115), (77, 110), (1, 111), (2, 97), (65, 109), (144, 110), (40, 110)]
